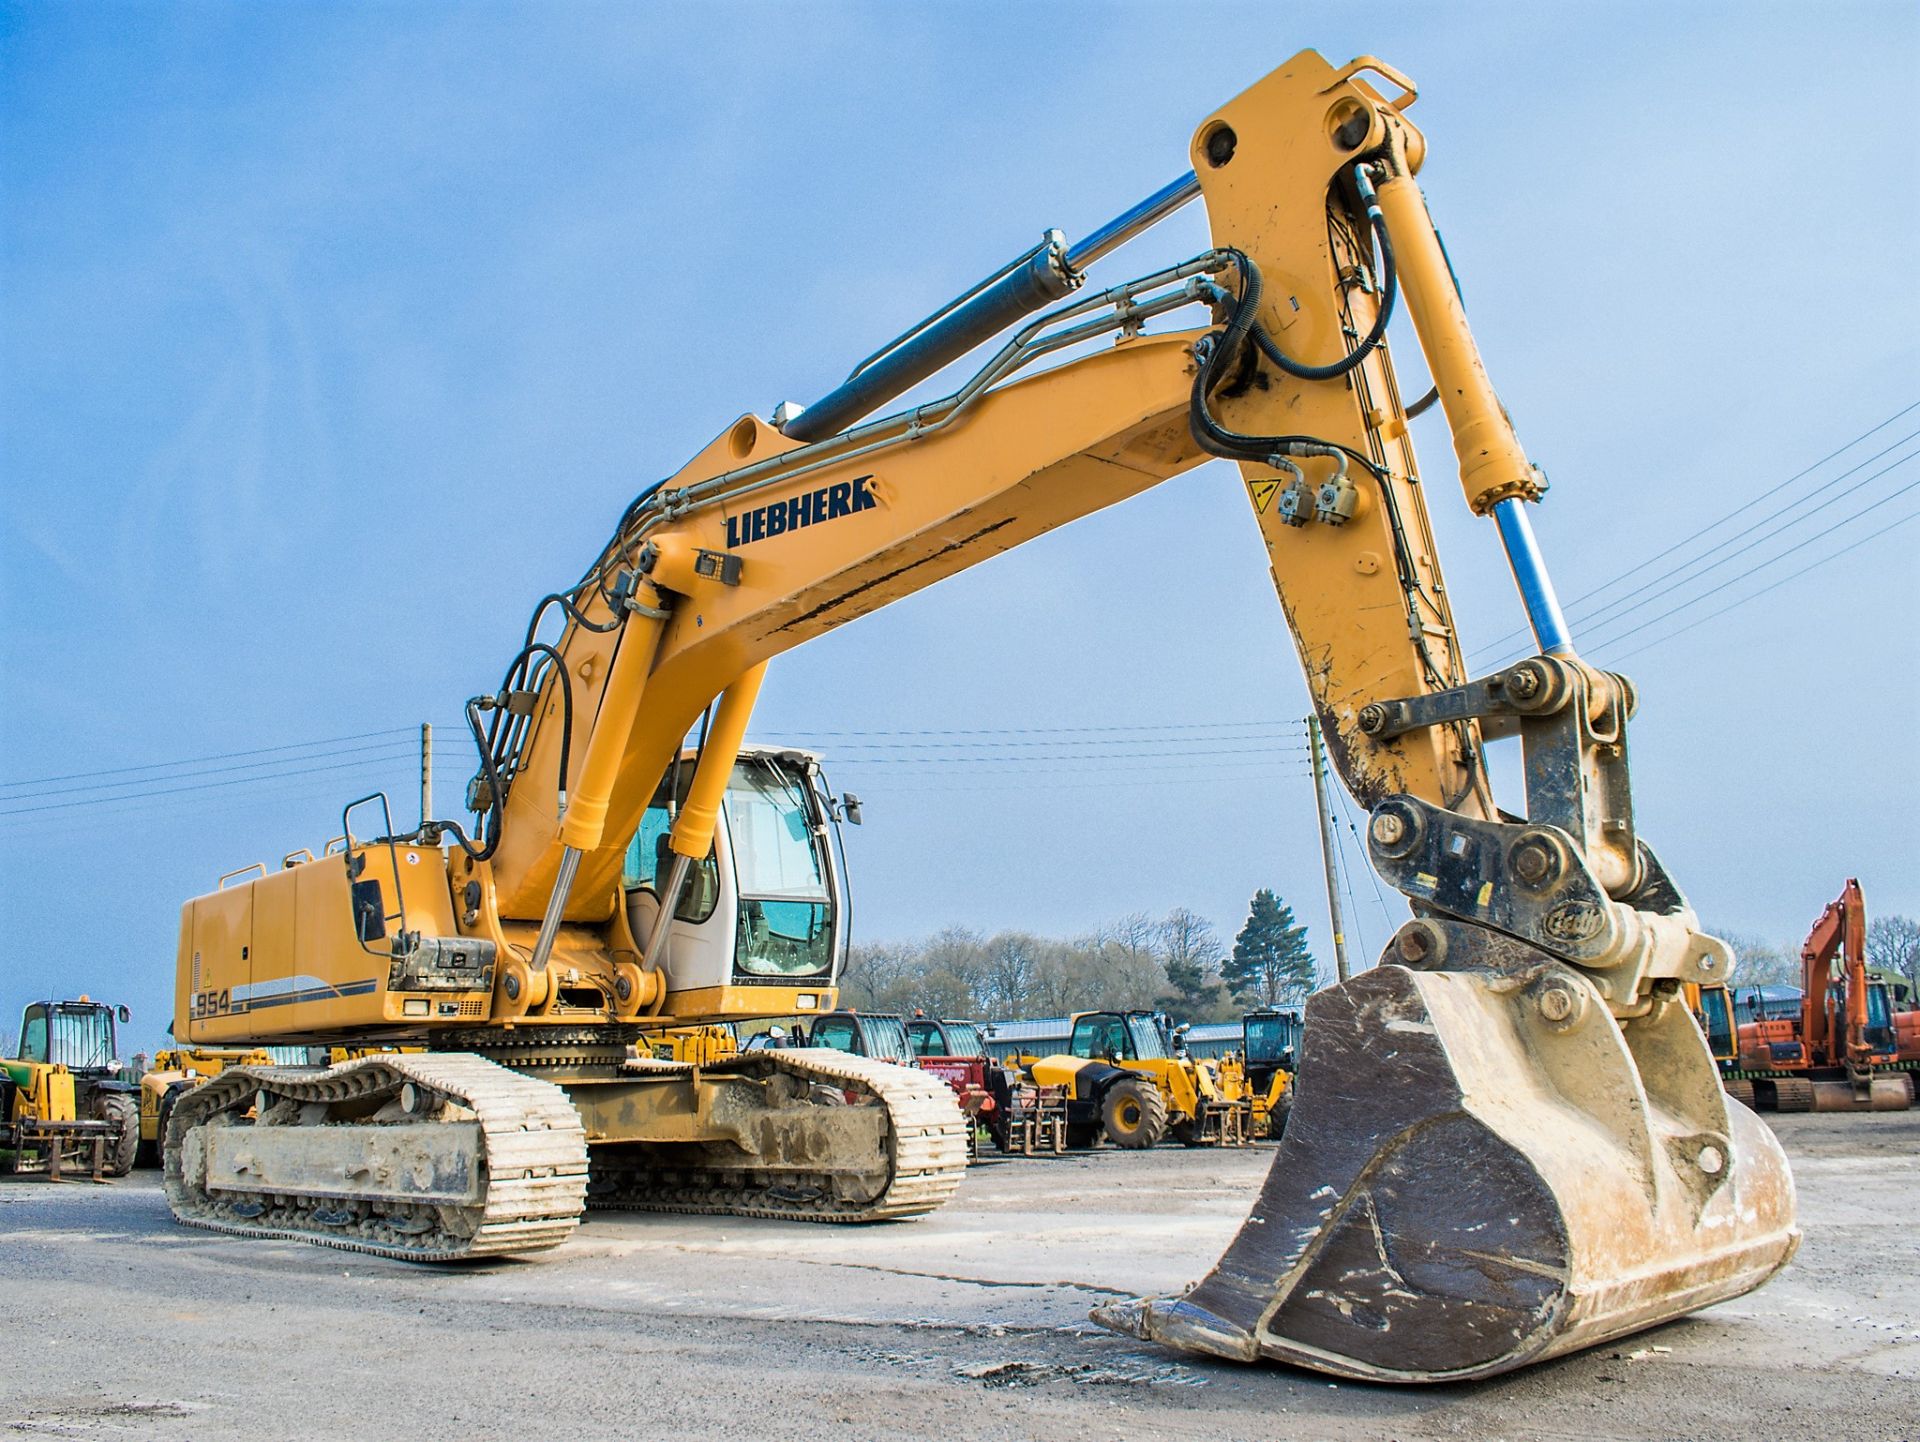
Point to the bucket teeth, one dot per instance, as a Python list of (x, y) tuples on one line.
[(1467, 1185)]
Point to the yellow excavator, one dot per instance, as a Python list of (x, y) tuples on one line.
[(1509, 1140)]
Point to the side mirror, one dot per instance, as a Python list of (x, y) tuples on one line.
[(778, 1033), (851, 805), (124, 1012)]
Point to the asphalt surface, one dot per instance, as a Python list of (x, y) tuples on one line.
[(968, 1323)]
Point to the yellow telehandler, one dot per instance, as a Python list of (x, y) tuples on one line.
[(1269, 1056), (1125, 1083), (64, 1105), (1510, 1141)]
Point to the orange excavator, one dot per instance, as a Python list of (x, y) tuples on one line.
[(1840, 1053)]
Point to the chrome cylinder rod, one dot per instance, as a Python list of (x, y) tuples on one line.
[(655, 956), (1125, 226), (1530, 574), (556, 908), (1037, 278)]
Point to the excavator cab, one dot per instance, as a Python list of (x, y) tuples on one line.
[(1713, 1009), (1879, 1029), (766, 908)]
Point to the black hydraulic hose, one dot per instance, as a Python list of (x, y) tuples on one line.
[(1390, 292), (574, 614), (1213, 437), (460, 836), (541, 648), (481, 743), (487, 740)]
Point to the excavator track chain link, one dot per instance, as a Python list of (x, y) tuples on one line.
[(926, 1150), (532, 1166)]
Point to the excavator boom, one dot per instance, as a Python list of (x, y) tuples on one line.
[(1509, 1139)]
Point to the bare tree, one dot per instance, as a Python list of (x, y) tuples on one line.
[(1126, 975), (875, 972), (1136, 935), (1013, 965), (1893, 944), (1761, 963), (1191, 951)]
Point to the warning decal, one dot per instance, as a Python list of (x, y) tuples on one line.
[(1262, 494)]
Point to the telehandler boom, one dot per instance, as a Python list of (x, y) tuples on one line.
[(1509, 1139)]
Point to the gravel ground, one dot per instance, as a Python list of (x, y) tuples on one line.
[(969, 1323)]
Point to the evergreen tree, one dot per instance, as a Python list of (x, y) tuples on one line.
[(1270, 962)]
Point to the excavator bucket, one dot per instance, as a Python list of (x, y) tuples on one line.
[(1483, 1168)]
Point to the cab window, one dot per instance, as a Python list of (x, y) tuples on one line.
[(649, 858), (1100, 1036), (926, 1039), (837, 1032), (1271, 1038), (887, 1040), (33, 1035), (1718, 1023), (1148, 1045), (1879, 1029), (963, 1039), (786, 908), (79, 1037)]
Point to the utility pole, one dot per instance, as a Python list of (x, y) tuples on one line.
[(426, 772), (1321, 800)]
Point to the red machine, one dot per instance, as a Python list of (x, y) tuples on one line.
[(1019, 1116), (1840, 1053)]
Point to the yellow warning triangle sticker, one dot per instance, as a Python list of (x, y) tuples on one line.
[(1262, 493)]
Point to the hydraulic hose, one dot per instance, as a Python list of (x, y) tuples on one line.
[(1390, 292), (485, 740)]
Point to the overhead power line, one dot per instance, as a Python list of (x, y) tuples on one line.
[(851, 751), (293, 794), (1612, 610), (1775, 585), (263, 766), (1239, 776), (197, 760), (857, 761), (1049, 730), (198, 786), (1794, 549), (1687, 540)]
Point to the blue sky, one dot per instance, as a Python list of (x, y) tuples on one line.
[(334, 335)]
